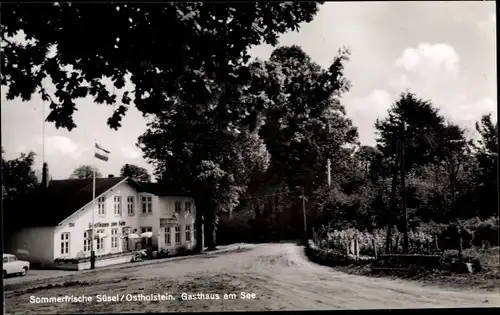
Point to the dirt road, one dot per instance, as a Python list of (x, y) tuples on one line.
[(272, 276)]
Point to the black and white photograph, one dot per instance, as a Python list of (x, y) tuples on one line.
[(166, 157)]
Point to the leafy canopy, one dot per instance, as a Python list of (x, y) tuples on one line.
[(136, 172), (308, 124), (18, 177), (85, 172), (172, 52), (425, 127)]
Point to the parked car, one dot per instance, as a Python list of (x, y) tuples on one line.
[(14, 266)]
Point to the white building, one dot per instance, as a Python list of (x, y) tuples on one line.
[(61, 226)]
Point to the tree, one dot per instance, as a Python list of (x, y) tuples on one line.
[(18, 177), (85, 172), (19, 182), (425, 128), (487, 155), (197, 155), (309, 125), (365, 156), (301, 131), (455, 151), (136, 172), (204, 153), (209, 49)]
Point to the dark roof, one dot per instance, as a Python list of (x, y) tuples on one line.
[(49, 206), (159, 189)]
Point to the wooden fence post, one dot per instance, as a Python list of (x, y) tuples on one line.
[(356, 249), (436, 243), (374, 246), (396, 245), (460, 248)]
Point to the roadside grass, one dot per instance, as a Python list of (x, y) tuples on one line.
[(487, 279)]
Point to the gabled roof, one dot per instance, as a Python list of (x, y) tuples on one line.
[(51, 205)]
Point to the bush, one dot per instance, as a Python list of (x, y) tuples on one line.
[(450, 260), (483, 230), (470, 255)]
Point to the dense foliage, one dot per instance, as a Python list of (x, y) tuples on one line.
[(178, 49), (85, 172), (136, 172), (246, 136)]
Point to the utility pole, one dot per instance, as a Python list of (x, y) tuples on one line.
[(304, 213), (393, 202), (403, 188), (329, 166)]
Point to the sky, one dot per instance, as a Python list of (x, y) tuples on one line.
[(442, 51)]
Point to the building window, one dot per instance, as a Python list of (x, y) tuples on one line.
[(146, 229), (117, 205), (87, 243), (168, 239), (114, 238), (188, 233), (130, 205), (147, 204), (178, 207), (100, 241), (101, 206), (65, 243), (187, 207), (177, 235)]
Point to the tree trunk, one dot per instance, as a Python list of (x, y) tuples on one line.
[(211, 229), (199, 227)]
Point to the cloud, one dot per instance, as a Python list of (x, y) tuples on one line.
[(374, 104), (467, 113), (130, 153), (364, 111), (61, 145), (429, 59)]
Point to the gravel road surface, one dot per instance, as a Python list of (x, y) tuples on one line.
[(270, 276)]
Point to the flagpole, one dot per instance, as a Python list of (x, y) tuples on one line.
[(92, 253)]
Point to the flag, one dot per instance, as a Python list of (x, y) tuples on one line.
[(101, 153)]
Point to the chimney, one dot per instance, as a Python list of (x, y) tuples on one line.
[(45, 175), (111, 176)]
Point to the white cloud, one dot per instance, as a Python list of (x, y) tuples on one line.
[(467, 113), (364, 111), (61, 145), (429, 59), (471, 112), (374, 104), (130, 153)]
